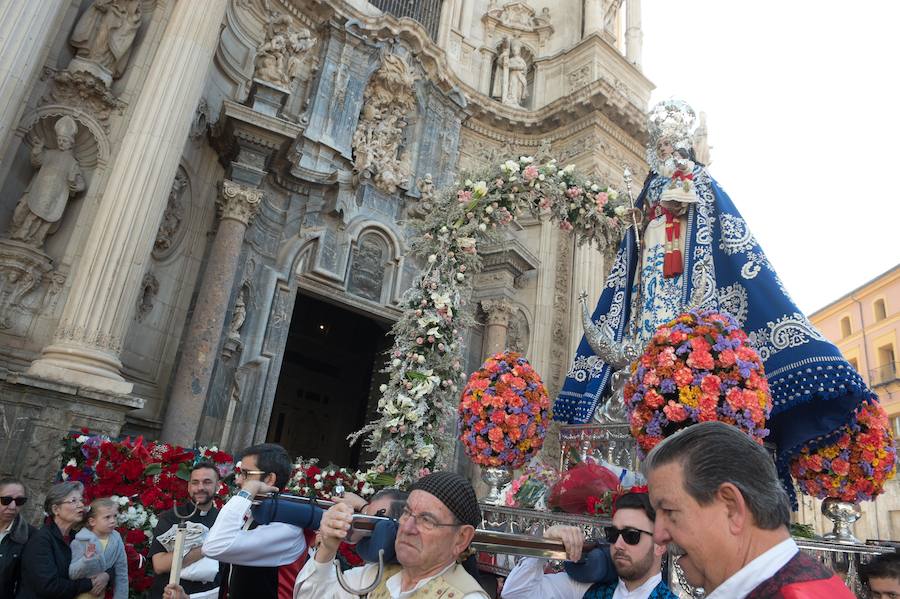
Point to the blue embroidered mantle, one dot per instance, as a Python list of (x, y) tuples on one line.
[(814, 390)]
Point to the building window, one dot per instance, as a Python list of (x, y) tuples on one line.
[(895, 425), (880, 311), (845, 327), (887, 367)]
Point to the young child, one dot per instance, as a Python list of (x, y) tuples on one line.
[(98, 547)]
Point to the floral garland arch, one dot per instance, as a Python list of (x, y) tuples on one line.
[(425, 365)]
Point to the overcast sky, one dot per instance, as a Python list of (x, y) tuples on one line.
[(803, 108)]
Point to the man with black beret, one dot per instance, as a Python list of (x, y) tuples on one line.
[(435, 529)]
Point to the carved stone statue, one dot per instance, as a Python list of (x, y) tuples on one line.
[(103, 38), (426, 197), (517, 88), (701, 142), (172, 218), (389, 103), (238, 315), (280, 56), (501, 72), (59, 177)]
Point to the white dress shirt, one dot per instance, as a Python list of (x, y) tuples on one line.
[(527, 580), (319, 581), (269, 545), (764, 567)]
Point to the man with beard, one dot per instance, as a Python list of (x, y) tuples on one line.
[(718, 498), (636, 558), (202, 487)]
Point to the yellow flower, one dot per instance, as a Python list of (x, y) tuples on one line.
[(689, 396)]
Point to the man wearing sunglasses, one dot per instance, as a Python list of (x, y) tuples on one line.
[(14, 532), (435, 529), (265, 558), (636, 558)]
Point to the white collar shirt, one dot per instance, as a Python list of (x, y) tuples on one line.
[(641, 592), (741, 583)]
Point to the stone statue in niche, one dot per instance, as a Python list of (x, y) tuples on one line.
[(367, 271), (426, 197), (149, 289), (610, 15), (238, 315), (279, 58), (172, 218), (41, 207), (510, 75), (103, 38), (542, 20), (378, 139)]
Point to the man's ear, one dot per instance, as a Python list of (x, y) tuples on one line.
[(659, 550), (464, 538), (270, 479), (736, 508)]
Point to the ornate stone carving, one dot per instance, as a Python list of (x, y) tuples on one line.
[(22, 270), (149, 290), (44, 201), (377, 142), (498, 311), (510, 74), (519, 19), (518, 334), (424, 205), (579, 77), (201, 120), (367, 268), (279, 57), (560, 326), (171, 230), (83, 92), (103, 38), (238, 202), (233, 341)]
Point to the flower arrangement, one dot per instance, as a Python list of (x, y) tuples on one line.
[(425, 365), (856, 465), (309, 479), (697, 367), (530, 490), (503, 412), (144, 478)]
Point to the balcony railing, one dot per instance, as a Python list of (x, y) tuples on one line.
[(426, 12), (884, 374)]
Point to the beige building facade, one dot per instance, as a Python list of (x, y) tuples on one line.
[(204, 203), (865, 326)]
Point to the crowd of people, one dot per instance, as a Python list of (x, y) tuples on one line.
[(713, 500)]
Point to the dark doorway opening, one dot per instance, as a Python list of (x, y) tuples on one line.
[(328, 385)]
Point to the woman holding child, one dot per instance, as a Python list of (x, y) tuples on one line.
[(47, 556)]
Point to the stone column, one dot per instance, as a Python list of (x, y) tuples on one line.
[(238, 205), (498, 312), (26, 30), (106, 282), (633, 35), (487, 64), (593, 16)]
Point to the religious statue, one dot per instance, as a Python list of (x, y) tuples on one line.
[(693, 250), (103, 38), (510, 79), (426, 197), (40, 208), (279, 58), (701, 142), (238, 315)]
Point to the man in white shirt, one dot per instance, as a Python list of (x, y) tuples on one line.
[(264, 559), (435, 529), (636, 558), (718, 498)]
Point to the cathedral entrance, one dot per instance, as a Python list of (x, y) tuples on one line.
[(328, 385)]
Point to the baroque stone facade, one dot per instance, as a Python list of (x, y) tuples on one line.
[(282, 155)]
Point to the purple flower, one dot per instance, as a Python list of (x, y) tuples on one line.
[(667, 386)]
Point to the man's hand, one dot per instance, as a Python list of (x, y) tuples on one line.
[(174, 591), (99, 581), (334, 528), (572, 538), (257, 487)]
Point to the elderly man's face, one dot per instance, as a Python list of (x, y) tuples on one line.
[(884, 588), (702, 532), (429, 534)]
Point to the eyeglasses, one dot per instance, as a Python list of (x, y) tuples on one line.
[(425, 522), (632, 536), (73, 501), (7, 499), (240, 471)]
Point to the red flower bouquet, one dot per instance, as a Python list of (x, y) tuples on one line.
[(698, 367), (856, 465), (503, 412)]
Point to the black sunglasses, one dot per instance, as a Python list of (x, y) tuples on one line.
[(632, 536), (7, 499)]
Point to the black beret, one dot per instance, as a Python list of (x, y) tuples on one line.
[(455, 492)]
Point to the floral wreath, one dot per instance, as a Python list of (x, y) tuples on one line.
[(425, 365)]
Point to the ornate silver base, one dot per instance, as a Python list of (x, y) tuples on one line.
[(843, 514), (495, 478)]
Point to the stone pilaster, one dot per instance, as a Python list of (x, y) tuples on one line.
[(496, 328), (100, 305), (26, 30), (237, 206), (633, 35), (593, 16)]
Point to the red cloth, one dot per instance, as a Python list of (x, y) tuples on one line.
[(578, 483), (802, 578), (833, 588), (287, 574)]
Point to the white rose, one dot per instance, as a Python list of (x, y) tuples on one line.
[(71, 462), (421, 359), (432, 258), (460, 277), (81, 438), (620, 210), (482, 227), (612, 194), (382, 388), (595, 188), (489, 210), (395, 362), (318, 485), (468, 183), (541, 177)]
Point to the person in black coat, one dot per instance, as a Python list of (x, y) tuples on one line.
[(46, 558), (14, 532)]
